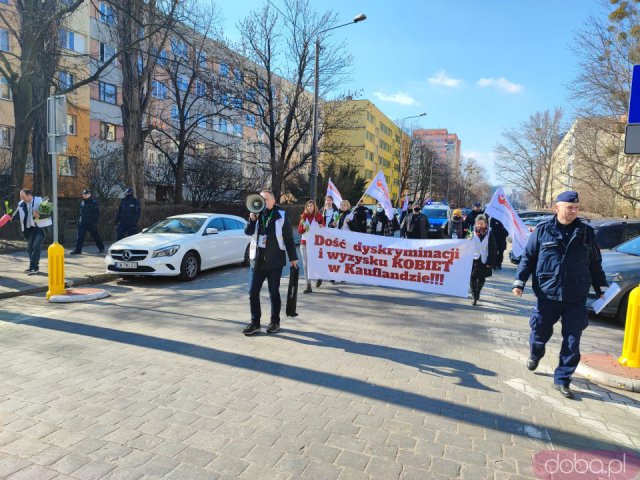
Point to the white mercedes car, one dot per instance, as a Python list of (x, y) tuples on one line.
[(182, 246)]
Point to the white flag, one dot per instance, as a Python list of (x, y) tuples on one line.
[(333, 192), (378, 190), (405, 204), (500, 208)]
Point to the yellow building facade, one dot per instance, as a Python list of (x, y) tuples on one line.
[(368, 139)]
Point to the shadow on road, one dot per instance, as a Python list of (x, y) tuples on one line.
[(465, 372), (448, 409)]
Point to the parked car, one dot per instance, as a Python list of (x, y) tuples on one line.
[(525, 214), (620, 265), (181, 245), (609, 232)]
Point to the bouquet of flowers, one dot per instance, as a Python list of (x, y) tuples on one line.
[(6, 218), (45, 210)]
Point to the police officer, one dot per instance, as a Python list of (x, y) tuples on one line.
[(87, 222), (128, 215), (271, 236), (470, 221), (564, 260)]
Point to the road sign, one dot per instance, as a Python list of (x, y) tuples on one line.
[(632, 140), (634, 97), (57, 124)]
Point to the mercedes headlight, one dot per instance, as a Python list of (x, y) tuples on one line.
[(166, 251)]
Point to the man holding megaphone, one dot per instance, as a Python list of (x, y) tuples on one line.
[(271, 237)]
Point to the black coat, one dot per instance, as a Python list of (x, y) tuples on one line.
[(360, 216), (388, 225), (89, 212), (470, 221), (418, 230), (500, 234), (484, 270), (456, 226), (128, 211), (272, 256)]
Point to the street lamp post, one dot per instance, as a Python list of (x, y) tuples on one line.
[(316, 98), (401, 143)]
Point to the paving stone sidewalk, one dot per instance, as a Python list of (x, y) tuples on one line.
[(157, 382)]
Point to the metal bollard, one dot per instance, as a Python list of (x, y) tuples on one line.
[(55, 254), (631, 345)]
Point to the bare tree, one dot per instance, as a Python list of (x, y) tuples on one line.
[(215, 176), (472, 184), (105, 171), (524, 158), (141, 30), (423, 170), (195, 103), (607, 48), (278, 77)]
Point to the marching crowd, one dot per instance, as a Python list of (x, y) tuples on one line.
[(489, 236)]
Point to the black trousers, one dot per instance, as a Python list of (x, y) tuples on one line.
[(124, 230), (258, 277), (82, 232)]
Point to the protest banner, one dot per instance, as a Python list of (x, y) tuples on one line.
[(500, 208), (437, 266)]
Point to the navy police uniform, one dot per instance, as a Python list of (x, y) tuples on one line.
[(87, 222), (128, 215), (564, 261)]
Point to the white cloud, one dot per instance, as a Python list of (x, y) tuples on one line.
[(399, 97), (501, 84), (441, 79)]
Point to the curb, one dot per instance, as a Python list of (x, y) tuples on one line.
[(70, 282), (608, 379), (74, 295)]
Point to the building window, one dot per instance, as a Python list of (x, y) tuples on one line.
[(107, 14), (6, 2), (179, 48), (65, 80), (108, 93), (237, 129), (72, 125), (175, 113), (202, 60), (222, 125), (201, 88), (183, 83), (386, 130), (251, 95), (68, 166), (71, 41), (5, 89), (200, 148), (225, 99), (251, 120), (107, 131), (368, 155), (6, 137), (106, 52), (371, 118), (4, 40), (224, 70), (202, 120), (158, 90), (237, 75)]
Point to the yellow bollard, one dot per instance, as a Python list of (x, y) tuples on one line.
[(56, 270), (631, 345)]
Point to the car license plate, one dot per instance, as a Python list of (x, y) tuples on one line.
[(127, 265)]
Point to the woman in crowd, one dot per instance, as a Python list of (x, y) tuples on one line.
[(455, 227), (484, 256), (308, 217), (343, 217), (381, 224)]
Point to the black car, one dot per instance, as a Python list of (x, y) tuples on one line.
[(609, 233)]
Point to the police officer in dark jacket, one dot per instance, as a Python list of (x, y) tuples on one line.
[(272, 237), (87, 222), (564, 260), (500, 235), (128, 215)]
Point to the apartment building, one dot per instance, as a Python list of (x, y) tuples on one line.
[(368, 139), (446, 145)]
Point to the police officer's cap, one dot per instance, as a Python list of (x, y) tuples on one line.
[(477, 204), (128, 191), (86, 191), (570, 196)]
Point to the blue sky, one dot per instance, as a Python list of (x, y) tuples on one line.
[(476, 67)]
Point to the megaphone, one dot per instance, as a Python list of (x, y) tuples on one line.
[(255, 203)]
